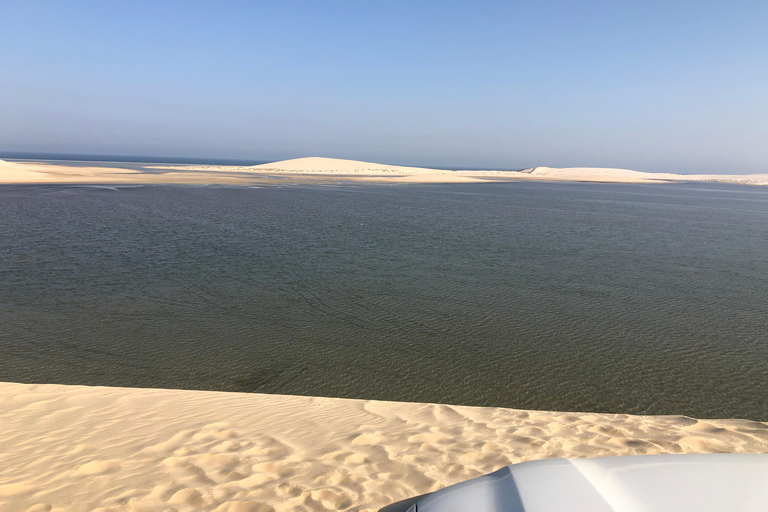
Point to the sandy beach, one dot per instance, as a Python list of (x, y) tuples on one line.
[(324, 170), (78, 448)]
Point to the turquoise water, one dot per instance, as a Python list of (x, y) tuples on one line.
[(587, 297)]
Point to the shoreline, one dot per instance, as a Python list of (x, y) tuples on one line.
[(79, 448), (320, 170)]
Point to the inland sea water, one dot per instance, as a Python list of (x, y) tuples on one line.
[(648, 299)]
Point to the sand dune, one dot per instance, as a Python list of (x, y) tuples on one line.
[(319, 170), (601, 175), (607, 175), (85, 448), (340, 166), (365, 171)]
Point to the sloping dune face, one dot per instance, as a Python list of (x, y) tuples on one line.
[(601, 174), (76, 448), (338, 165)]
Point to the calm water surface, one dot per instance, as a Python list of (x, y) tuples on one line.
[(614, 298)]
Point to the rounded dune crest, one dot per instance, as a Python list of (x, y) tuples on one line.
[(323, 164)]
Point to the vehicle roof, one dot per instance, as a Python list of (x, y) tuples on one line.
[(658, 483)]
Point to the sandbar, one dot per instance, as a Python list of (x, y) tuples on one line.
[(329, 170)]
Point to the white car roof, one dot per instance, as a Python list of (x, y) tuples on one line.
[(640, 483)]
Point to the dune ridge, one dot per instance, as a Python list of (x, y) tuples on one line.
[(608, 175), (341, 166), (323, 170), (77, 448)]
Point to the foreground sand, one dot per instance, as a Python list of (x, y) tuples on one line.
[(323, 170), (88, 448)]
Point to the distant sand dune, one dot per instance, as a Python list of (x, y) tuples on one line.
[(80, 448), (606, 175), (317, 169), (602, 175), (339, 166)]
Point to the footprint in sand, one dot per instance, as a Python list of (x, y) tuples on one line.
[(288, 490)]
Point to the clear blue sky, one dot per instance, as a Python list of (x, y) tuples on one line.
[(677, 86)]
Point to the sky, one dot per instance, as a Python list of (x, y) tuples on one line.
[(658, 86)]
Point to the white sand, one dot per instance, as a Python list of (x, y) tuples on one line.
[(82, 448), (33, 172), (340, 166), (606, 175), (601, 175), (29, 172), (313, 170)]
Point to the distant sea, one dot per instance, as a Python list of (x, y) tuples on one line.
[(644, 299)]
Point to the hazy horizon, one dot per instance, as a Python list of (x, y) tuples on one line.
[(646, 86)]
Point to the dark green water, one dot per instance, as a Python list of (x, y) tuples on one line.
[(589, 297)]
